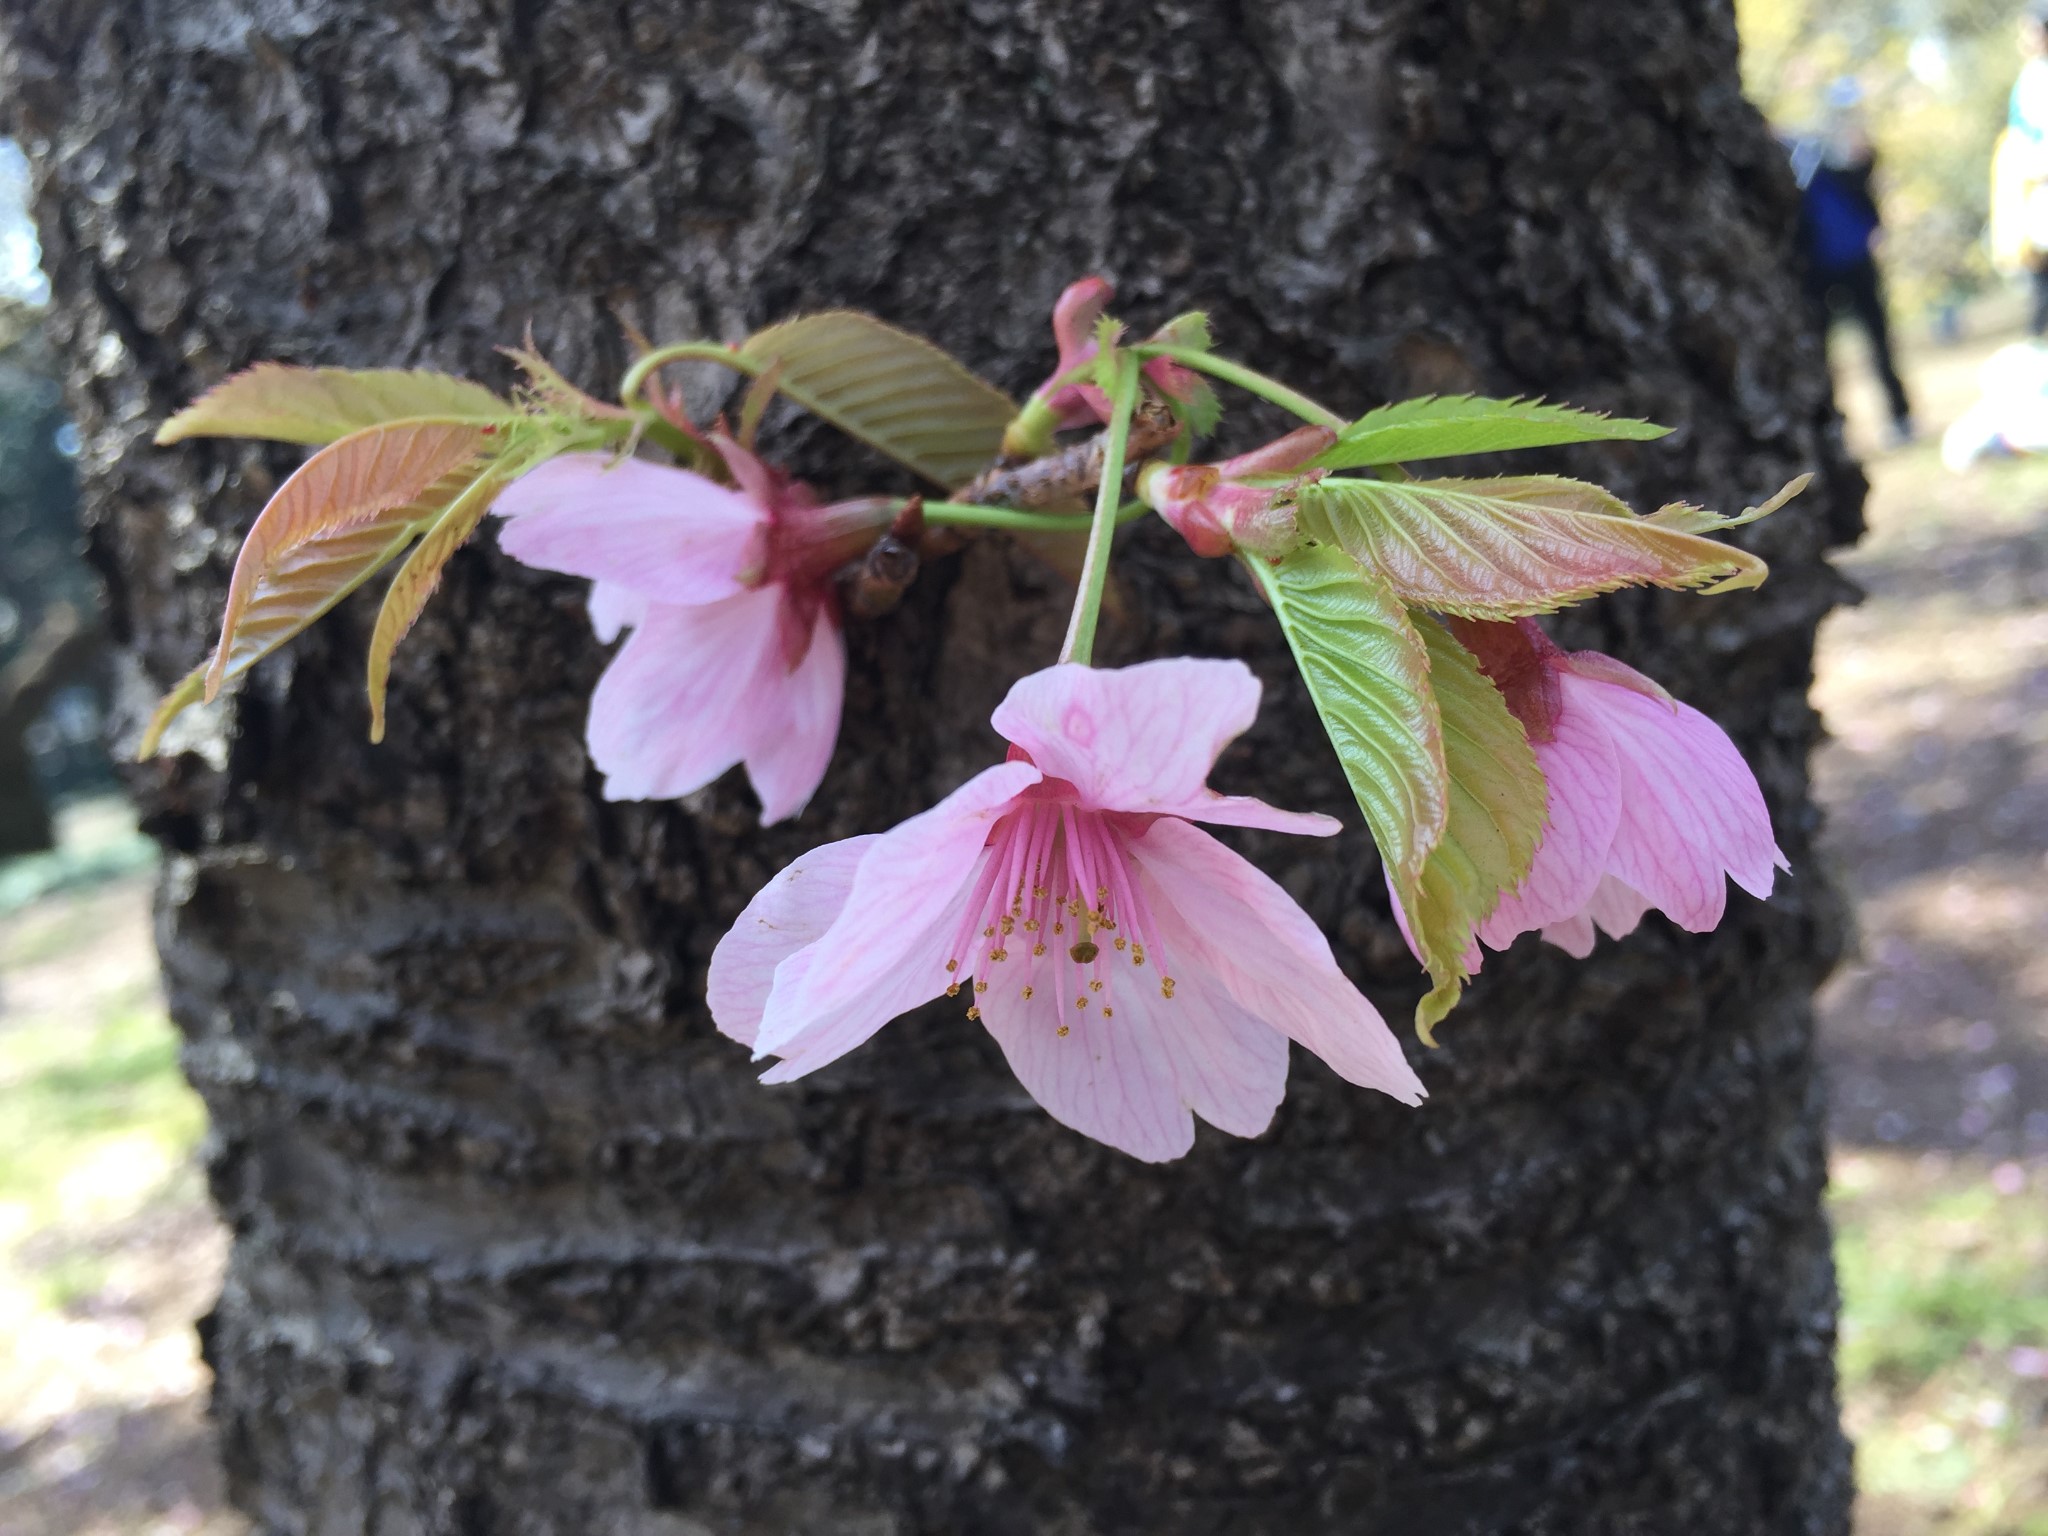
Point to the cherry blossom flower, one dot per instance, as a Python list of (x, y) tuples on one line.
[(1650, 804), (1240, 503), (1134, 970), (736, 654)]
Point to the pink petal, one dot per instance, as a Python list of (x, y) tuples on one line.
[(826, 1033), (1583, 807), (1130, 1081), (787, 758), (788, 913), (905, 908), (1690, 806), (614, 609), (675, 536), (1616, 908), (1613, 908), (1574, 935), (1233, 921), (678, 705), (1144, 738)]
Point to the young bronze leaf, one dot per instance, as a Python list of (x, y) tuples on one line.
[(1444, 426), (1497, 799), (191, 688), (300, 586), (321, 405), (416, 579), (345, 486), (1498, 549), (1368, 672), (894, 391)]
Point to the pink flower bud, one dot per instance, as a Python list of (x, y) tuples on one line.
[(1242, 503)]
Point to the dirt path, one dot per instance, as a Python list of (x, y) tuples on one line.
[(1935, 690)]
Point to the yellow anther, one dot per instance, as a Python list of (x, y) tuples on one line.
[(999, 954), (1038, 949), (952, 965), (981, 986), (953, 990), (974, 1013), (1039, 893), (1108, 1012), (989, 932), (1066, 1030), (1094, 986), (1121, 941), (1031, 925), (1059, 927), (1009, 926), (1027, 994), (1080, 1002)]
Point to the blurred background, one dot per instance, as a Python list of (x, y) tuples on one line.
[(1916, 128)]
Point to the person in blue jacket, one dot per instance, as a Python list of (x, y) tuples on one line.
[(1839, 227)]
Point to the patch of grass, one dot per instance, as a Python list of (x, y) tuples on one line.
[(1944, 1273), (93, 1115), (1954, 1269)]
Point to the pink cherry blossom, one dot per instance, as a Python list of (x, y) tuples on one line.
[(736, 654), (1073, 327), (1650, 804), (1135, 972), (1240, 503)]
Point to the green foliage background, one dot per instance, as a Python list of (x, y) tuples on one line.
[(1935, 76)]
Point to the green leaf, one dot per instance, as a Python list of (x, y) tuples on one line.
[(1368, 671), (1684, 517), (1442, 426), (1506, 548), (1497, 800), (894, 391), (321, 405), (346, 487), (1443, 772), (1108, 334), (416, 580), (1184, 330), (552, 392)]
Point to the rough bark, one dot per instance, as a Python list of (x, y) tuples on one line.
[(520, 1246)]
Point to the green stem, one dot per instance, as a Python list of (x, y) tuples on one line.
[(679, 352), (1123, 401), (1250, 380)]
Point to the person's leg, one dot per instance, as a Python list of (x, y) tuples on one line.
[(1866, 301)]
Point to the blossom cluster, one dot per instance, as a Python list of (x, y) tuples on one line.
[(1136, 972)]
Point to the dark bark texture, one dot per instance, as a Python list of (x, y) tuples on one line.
[(520, 1245)]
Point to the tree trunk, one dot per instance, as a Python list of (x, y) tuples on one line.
[(520, 1245)]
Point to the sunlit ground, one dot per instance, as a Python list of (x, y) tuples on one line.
[(1936, 1036), (1936, 1039), (108, 1251)]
